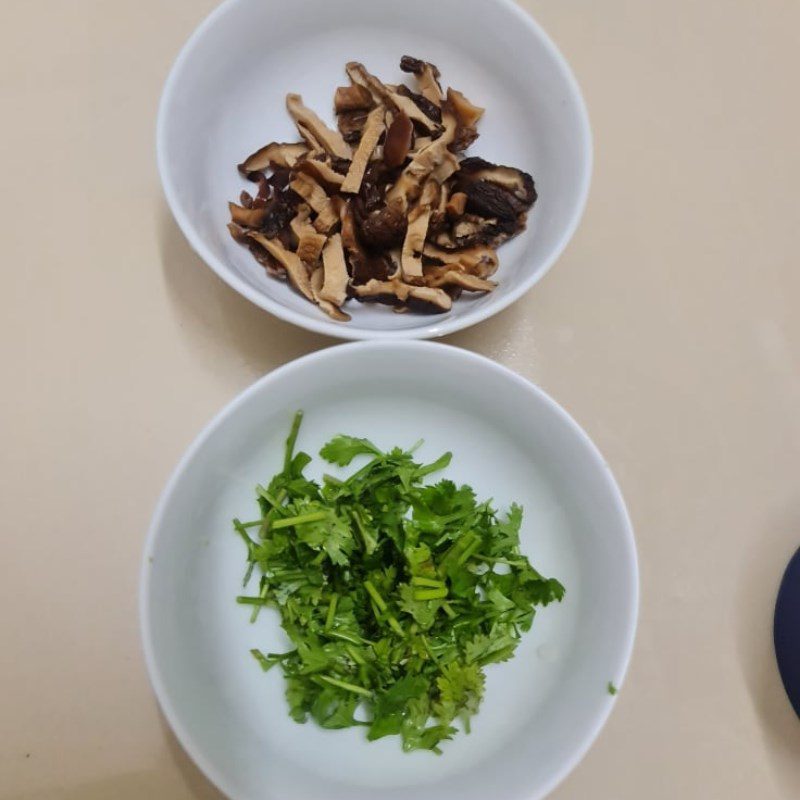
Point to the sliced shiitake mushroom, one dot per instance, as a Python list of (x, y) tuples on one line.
[(249, 217), (295, 268), (351, 124), (313, 127), (398, 140), (279, 154), (519, 183), (427, 76), (352, 98), (305, 186), (373, 130), (334, 287)]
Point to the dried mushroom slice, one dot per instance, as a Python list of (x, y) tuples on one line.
[(456, 205), (352, 98), (389, 96), (398, 140), (519, 183), (305, 186), (455, 275), (373, 131), (295, 268), (383, 228), (351, 124), (427, 76), (414, 242), (468, 113), (322, 172), (422, 298), (336, 278), (479, 260), (332, 310), (309, 242), (306, 120), (248, 217), (280, 154)]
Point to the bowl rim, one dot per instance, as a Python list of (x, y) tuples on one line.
[(423, 349), (348, 330)]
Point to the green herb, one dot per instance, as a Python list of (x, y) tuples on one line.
[(612, 690), (394, 594)]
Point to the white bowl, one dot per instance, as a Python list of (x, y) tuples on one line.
[(510, 441), (225, 98)]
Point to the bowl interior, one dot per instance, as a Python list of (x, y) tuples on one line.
[(226, 98), (510, 442)]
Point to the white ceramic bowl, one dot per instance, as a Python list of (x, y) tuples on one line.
[(225, 98), (510, 441)]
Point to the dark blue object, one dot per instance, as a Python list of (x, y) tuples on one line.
[(787, 631)]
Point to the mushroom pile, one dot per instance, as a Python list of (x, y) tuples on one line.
[(385, 208)]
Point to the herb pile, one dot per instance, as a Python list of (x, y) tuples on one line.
[(394, 594)]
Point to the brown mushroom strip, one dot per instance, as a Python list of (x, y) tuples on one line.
[(423, 163), (351, 124), (421, 142), (309, 242), (322, 172), (334, 288), (373, 131), (519, 183), (315, 196), (398, 140), (352, 98), (447, 167), (249, 217), (414, 242), (478, 260), (438, 299), (429, 299), (275, 153), (427, 76), (456, 204), (381, 93), (468, 114), (307, 120), (295, 268), (360, 76), (453, 275), (329, 308)]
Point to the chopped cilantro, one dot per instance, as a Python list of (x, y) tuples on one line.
[(388, 591)]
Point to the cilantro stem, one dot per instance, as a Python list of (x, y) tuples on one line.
[(429, 582), (395, 625), (290, 441), (244, 600), (434, 466), (288, 522), (347, 637), (331, 612), (355, 655), (431, 594), (449, 610), (375, 595), (251, 545), (468, 552), (257, 608), (349, 687)]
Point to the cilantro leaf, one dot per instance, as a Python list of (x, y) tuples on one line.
[(342, 450)]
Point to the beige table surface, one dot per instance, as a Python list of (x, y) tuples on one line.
[(669, 329)]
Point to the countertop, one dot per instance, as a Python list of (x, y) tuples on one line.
[(669, 329)]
